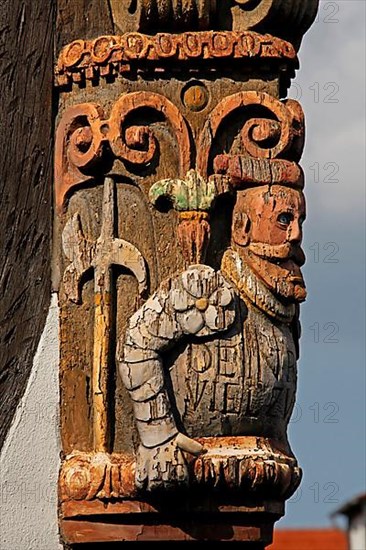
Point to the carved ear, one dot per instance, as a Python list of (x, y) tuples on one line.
[(241, 229)]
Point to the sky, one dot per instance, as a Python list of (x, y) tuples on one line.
[(327, 430)]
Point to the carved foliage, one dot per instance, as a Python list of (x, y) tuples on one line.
[(250, 464), (147, 14), (89, 476), (192, 198), (191, 13)]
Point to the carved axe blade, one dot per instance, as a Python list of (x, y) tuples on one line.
[(80, 252), (127, 255)]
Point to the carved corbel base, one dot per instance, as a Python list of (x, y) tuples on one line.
[(136, 521), (237, 493)]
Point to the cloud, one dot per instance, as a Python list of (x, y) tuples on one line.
[(331, 88)]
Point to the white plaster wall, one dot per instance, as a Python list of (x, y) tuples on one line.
[(29, 460), (357, 530)]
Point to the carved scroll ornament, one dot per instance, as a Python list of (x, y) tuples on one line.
[(83, 133), (278, 133)]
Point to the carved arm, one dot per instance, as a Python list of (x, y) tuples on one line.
[(198, 302)]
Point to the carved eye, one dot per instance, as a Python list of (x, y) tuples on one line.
[(285, 218)]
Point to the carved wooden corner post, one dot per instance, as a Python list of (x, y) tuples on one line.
[(178, 228)]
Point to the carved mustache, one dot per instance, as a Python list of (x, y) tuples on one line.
[(278, 253)]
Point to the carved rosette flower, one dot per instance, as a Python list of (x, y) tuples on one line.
[(203, 302)]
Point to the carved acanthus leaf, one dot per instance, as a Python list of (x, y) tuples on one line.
[(251, 465), (188, 194)]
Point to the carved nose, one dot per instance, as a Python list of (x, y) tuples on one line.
[(295, 233)]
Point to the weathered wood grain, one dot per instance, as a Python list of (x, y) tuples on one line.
[(82, 18), (26, 135), (192, 529)]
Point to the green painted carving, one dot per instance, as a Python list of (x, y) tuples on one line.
[(191, 194)]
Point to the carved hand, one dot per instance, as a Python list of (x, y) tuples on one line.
[(165, 466)]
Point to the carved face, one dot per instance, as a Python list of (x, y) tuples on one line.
[(267, 233)]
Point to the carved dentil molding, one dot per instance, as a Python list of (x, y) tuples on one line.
[(110, 56)]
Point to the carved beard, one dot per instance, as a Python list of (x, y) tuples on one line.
[(278, 267)]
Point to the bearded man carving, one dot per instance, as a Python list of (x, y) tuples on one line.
[(232, 338)]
